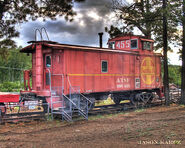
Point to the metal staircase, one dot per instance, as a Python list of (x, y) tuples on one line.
[(66, 106)]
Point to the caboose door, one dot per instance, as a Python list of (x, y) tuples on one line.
[(47, 71)]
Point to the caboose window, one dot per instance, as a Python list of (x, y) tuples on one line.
[(147, 45), (48, 61), (112, 45), (134, 44), (104, 66)]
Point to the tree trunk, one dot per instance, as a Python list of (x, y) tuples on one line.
[(165, 50), (182, 100)]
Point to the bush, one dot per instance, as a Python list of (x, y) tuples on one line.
[(11, 86)]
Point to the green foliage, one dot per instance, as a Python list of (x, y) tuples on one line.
[(11, 86), (115, 31), (174, 74), (11, 70)]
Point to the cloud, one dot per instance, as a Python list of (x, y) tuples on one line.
[(92, 17)]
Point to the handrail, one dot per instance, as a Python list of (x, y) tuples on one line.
[(37, 30), (50, 92), (62, 80), (86, 98), (79, 92), (72, 102), (41, 33), (49, 78), (45, 32)]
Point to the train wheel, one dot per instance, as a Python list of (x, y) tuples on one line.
[(116, 100), (132, 99), (143, 99)]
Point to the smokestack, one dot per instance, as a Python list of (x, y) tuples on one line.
[(100, 38)]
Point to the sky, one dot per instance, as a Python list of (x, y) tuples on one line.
[(92, 17)]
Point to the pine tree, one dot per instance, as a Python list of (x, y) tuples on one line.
[(147, 17), (182, 100)]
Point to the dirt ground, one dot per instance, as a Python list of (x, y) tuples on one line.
[(154, 127)]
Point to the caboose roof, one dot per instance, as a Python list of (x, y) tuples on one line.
[(54, 45), (127, 37)]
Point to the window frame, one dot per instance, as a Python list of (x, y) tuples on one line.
[(150, 45), (46, 61), (131, 44), (102, 66), (112, 45)]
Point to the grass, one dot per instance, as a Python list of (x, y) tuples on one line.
[(127, 130), (182, 105), (95, 117), (139, 110), (172, 134), (165, 125), (149, 129), (142, 134)]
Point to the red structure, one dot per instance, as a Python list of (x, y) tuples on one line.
[(126, 70), (9, 97)]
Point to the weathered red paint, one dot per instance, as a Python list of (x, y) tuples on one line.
[(9, 97), (128, 69), (27, 80), (39, 67)]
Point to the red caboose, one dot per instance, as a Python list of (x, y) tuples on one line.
[(128, 69)]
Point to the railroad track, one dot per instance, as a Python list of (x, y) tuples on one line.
[(97, 110), (23, 117)]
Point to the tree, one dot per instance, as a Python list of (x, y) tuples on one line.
[(182, 100), (11, 68), (151, 18), (174, 74), (147, 17), (165, 50), (14, 12)]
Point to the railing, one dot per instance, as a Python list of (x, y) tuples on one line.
[(81, 102), (175, 95), (64, 105), (51, 100)]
